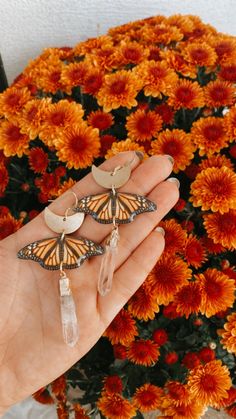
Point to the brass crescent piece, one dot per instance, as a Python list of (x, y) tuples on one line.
[(63, 223), (115, 178)]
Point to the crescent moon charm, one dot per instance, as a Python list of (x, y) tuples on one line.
[(116, 178), (63, 224)]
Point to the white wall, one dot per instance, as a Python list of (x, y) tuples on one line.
[(27, 26)]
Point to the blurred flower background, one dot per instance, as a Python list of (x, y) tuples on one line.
[(162, 86)]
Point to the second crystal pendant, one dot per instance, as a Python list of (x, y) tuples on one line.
[(108, 264)]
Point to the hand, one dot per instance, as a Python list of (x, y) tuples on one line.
[(32, 351)]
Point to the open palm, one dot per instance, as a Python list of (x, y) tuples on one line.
[(32, 351)]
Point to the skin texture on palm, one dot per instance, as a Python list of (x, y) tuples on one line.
[(32, 351)]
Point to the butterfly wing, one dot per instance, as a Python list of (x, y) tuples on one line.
[(50, 253), (47, 252), (129, 205), (123, 206), (100, 206), (77, 250)]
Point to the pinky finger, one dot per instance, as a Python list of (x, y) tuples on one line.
[(130, 276)]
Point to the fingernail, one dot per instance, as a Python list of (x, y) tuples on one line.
[(174, 180), (140, 154), (170, 158), (160, 230)]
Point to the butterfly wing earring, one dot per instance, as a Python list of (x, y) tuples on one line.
[(115, 208), (59, 253)]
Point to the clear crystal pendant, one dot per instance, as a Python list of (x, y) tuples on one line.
[(69, 320), (108, 263)]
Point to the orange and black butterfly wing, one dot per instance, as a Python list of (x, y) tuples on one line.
[(128, 205), (121, 206), (51, 253), (47, 252), (100, 206), (77, 250)]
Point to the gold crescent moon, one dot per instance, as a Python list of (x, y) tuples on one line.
[(108, 179), (60, 224)]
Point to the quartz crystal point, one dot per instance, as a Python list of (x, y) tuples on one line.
[(68, 313), (108, 264)]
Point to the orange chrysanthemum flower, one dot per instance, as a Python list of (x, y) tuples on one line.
[(103, 58), (112, 384), (217, 160), (126, 145), (211, 247), (175, 394), (122, 329), (228, 334), (209, 135), (184, 23), (101, 120), (176, 143), (74, 74), (12, 101), (186, 94), (4, 178), (12, 141), (217, 291), (38, 160), (119, 89), (185, 410), (65, 186), (221, 228), (143, 352), (143, 125), (114, 406), (166, 113), (48, 75), (92, 44), (199, 54), (130, 53), (219, 93), (157, 77), (209, 383), (93, 81), (8, 225), (214, 189), (188, 299), (194, 252), (147, 397), (143, 304), (107, 143), (168, 276), (231, 123), (59, 117), (225, 48), (176, 62), (78, 146), (178, 403), (161, 34), (228, 72), (31, 118), (175, 236)]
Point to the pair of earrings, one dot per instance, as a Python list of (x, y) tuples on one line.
[(65, 252)]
